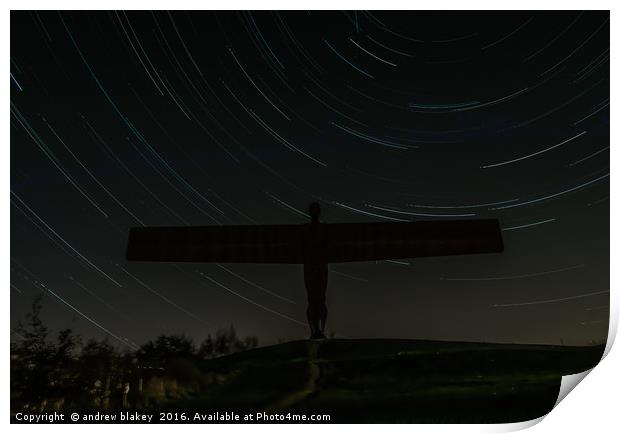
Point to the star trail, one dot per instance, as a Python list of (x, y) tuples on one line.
[(136, 118)]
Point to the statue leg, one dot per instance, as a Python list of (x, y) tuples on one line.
[(323, 317), (315, 278), (313, 319), (317, 314), (323, 296)]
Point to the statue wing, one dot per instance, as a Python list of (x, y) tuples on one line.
[(278, 244), (393, 240)]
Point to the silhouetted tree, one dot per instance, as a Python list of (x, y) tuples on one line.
[(250, 342), (207, 348), (226, 342), (63, 366), (31, 360), (160, 352), (98, 373), (222, 342)]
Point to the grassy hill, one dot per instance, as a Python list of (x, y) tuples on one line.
[(391, 381)]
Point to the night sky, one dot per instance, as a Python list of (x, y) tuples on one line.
[(122, 119)]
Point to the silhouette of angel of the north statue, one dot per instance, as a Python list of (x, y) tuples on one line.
[(314, 245)]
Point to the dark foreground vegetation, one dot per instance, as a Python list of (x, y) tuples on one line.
[(350, 380), (62, 373)]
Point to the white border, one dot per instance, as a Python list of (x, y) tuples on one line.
[(591, 408)]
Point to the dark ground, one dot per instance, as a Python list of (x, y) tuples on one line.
[(392, 381)]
